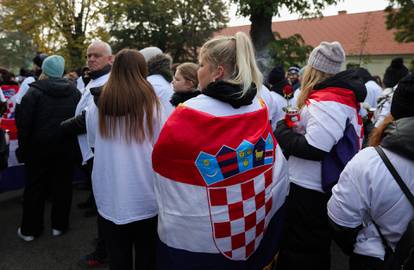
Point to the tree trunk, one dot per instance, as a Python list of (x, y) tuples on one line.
[(261, 30), (261, 34)]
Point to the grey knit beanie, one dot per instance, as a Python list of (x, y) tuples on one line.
[(327, 57)]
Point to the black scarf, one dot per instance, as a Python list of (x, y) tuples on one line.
[(230, 93), (98, 73), (178, 98)]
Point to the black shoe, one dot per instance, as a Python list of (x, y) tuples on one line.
[(93, 260)]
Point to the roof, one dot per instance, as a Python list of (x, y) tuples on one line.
[(349, 29)]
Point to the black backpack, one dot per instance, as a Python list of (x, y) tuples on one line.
[(403, 256)]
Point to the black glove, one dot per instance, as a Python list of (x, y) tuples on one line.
[(75, 125), (295, 144)]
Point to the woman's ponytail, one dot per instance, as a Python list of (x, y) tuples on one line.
[(246, 71)]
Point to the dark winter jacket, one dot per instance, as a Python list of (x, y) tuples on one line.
[(46, 104), (296, 144)]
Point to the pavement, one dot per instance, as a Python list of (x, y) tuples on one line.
[(45, 252), (63, 252)]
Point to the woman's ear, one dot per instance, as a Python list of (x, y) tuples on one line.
[(218, 73)]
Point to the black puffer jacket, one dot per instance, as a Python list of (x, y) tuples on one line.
[(46, 104)]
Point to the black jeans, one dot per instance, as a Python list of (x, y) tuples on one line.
[(47, 178), (306, 237), (361, 262), (122, 240)]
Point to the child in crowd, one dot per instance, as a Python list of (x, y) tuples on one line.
[(185, 83)]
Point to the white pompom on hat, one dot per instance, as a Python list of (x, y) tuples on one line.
[(328, 57)]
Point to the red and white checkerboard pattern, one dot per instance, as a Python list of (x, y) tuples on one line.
[(240, 215)]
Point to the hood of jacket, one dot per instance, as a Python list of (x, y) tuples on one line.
[(348, 79), (181, 97), (230, 93), (398, 137), (161, 65), (55, 87)]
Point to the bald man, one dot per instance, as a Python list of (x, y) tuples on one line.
[(99, 61)]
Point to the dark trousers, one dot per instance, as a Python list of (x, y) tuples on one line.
[(122, 240), (47, 178), (361, 262), (306, 237)]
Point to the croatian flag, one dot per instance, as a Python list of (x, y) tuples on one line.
[(13, 177), (337, 112), (221, 188)]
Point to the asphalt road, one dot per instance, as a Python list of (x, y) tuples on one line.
[(63, 252), (45, 252)]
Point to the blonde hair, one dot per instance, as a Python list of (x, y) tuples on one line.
[(189, 72), (236, 54), (311, 77)]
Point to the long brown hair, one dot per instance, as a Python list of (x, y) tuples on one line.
[(311, 77), (378, 133), (126, 98)]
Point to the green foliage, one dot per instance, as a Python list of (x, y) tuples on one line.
[(400, 16), (19, 48), (272, 7), (261, 13), (289, 51), (55, 26), (179, 27)]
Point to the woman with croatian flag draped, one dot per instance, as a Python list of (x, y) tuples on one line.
[(222, 178), (326, 136)]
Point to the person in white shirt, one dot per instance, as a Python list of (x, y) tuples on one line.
[(221, 177), (369, 193), (160, 75), (99, 60), (373, 89), (393, 74), (25, 85), (328, 103), (124, 126), (369, 105)]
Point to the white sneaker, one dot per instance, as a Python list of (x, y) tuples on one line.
[(26, 238), (56, 232)]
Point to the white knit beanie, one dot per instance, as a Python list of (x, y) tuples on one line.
[(327, 57), (150, 52)]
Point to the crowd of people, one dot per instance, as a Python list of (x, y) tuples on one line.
[(213, 166)]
